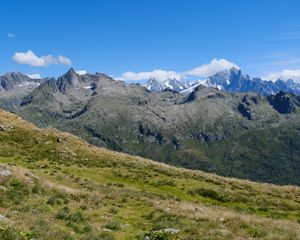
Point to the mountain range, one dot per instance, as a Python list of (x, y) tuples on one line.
[(228, 132), (232, 80), (154, 85)]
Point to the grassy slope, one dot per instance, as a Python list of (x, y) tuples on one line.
[(63, 188)]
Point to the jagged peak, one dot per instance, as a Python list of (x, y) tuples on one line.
[(71, 72), (14, 75)]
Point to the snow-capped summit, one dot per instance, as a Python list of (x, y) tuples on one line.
[(174, 84), (231, 80), (154, 85), (158, 86)]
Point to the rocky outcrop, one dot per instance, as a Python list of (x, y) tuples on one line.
[(285, 103)]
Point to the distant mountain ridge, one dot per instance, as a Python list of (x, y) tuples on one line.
[(18, 85), (232, 80), (18, 82), (14, 86), (173, 84)]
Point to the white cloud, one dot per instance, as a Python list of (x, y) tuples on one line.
[(205, 70), (64, 60), (29, 58), (285, 74), (34, 76), (11, 35), (215, 65), (81, 72), (158, 74)]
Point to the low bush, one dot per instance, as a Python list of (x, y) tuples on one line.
[(159, 235), (113, 225), (80, 229), (10, 234), (101, 236), (16, 191), (58, 199), (65, 214), (256, 232), (14, 234), (209, 193), (113, 210), (160, 183)]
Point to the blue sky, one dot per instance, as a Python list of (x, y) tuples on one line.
[(176, 36)]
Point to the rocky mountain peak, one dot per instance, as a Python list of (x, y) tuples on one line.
[(68, 80), (11, 79), (71, 73)]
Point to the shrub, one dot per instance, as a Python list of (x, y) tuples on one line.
[(65, 214), (61, 234), (16, 192), (163, 182), (119, 184), (57, 199), (9, 234), (113, 225), (159, 235), (209, 193), (37, 189), (79, 228), (101, 236), (113, 210), (257, 232), (76, 217), (13, 234), (83, 207)]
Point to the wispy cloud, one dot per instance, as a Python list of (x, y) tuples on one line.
[(11, 35), (285, 74), (275, 63), (157, 74), (205, 70), (30, 58), (63, 60), (215, 65)]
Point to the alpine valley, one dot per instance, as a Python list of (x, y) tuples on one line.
[(229, 124)]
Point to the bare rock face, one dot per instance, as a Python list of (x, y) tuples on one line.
[(245, 107), (285, 103), (245, 111)]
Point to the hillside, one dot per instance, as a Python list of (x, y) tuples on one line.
[(243, 135), (56, 186)]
